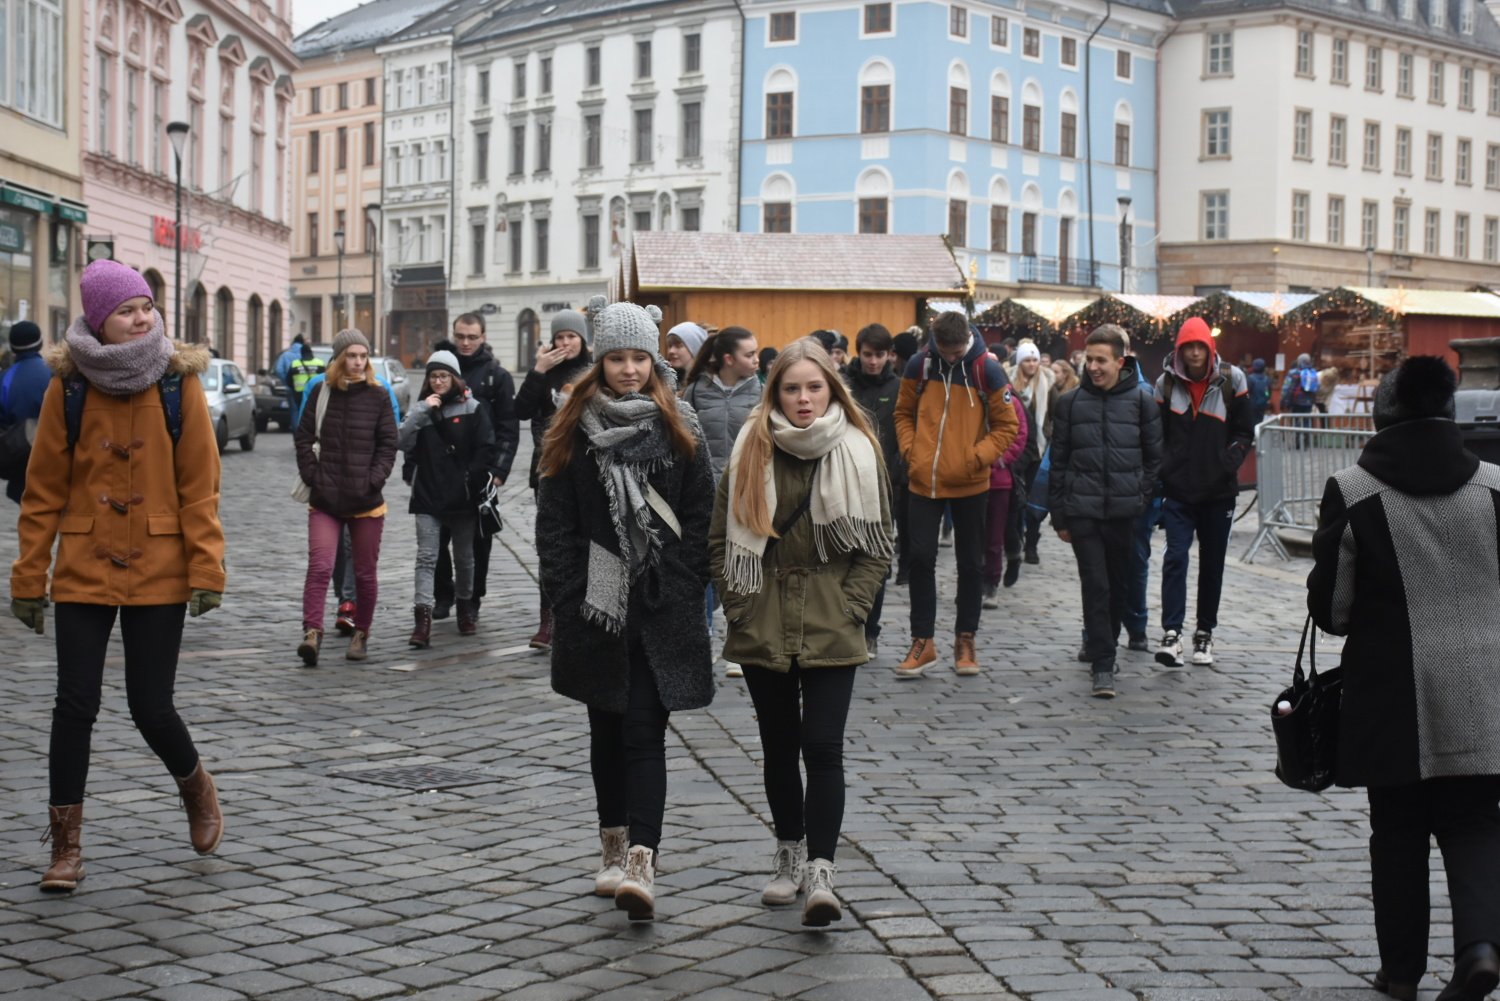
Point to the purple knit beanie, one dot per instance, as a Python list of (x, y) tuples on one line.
[(104, 285)]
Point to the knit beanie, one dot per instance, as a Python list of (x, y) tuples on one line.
[(1259, 365), (691, 335), (25, 336), (104, 285), (1304, 361), (347, 338), (444, 360), (570, 320), (1421, 388), (1027, 350)]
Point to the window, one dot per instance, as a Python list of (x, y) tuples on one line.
[(1304, 53), (1403, 152), (314, 152), (1432, 232), (1122, 144), (1369, 224), (958, 111), (1338, 139), (544, 73), (1492, 166), (315, 99), (591, 140), (779, 115), (1028, 234), (1437, 13), (1401, 227), (644, 138), (543, 146), (958, 22), (344, 96), (1491, 238), (873, 215), (1302, 135), (958, 226), (341, 149), (1466, 88), (1220, 53), (1404, 74), (592, 67), (517, 150), (1000, 32), (877, 18), (132, 114), (476, 248), (1070, 52), (1339, 73), (1408, 9), (1372, 145), (1374, 66), (999, 228), (776, 217), (369, 91), (312, 234), (440, 160), (368, 142), (643, 59), (1299, 215), (999, 119), (482, 95), (784, 27), (1215, 215), (393, 166), (517, 238), (158, 124), (1216, 133), (875, 108), (1494, 92), (1068, 135), (1463, 157), (482, 156), (692, 130), (590, 242), (1466, 16), (102, 141), (1031, 43), (416, 162), (1435, 82), (518, 79), (1123, 65), (195, 156), (1434, 157), (541, 232), (692, 53), (1336, 219), (32, 73), (1461, 235), (1031, 127)]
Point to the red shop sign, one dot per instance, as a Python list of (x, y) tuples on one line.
[(161, 234)]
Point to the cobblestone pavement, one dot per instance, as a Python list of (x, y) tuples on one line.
[(1006, 836)]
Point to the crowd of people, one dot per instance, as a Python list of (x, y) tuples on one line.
[(782, 491)]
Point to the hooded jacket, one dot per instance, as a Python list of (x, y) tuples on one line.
[(722, 413), (493, 387), (1203, 443), (1106, 449), (449, 448), (948, 432), (140, 528), (877, 394), (1406, 567), (1002, 473)]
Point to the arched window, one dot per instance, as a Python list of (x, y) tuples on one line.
[(194, 316), (778, 194), (999, 107), (274, 339), (781, 103), (1031, 116), (1124, 122), (873, 190), (1031, 213), (528, 329), (999, 215), (224, 322), (158, 288), (958, 208), (1067, 123), (958, 99), (1067, 209), (254, 320), (877, 84)]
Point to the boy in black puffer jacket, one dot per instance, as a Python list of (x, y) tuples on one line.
[(875, 384)]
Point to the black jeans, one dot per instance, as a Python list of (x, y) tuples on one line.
[(152, 635), (1464, 814), (924, 516), (1020, 529), (1211, 522), (900, 505), (802, 712), (442, 591), (628, 757), (1103, 549)]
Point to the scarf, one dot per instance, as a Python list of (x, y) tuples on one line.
[(627, 439), (845, 505), (120, 369)]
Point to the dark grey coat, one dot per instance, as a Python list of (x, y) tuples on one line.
[(666, 603), (722, 413), (1106, 450)]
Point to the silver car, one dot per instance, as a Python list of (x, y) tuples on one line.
[(231, 404), (394, 373)]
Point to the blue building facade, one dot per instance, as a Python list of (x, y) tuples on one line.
[(977, 120)]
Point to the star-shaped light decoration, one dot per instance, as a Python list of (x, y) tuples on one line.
[(1159, 310), (1399, 301), (1276, 308), (1056, 313)]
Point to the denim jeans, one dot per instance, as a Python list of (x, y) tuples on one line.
[(430, 529), (1137, 618)]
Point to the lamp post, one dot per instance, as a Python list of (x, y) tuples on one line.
[(338, 242), (177, 134), (1370, 266), (1124, 202), (372, 236)]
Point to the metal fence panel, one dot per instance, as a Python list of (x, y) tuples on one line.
[(1295, 456)]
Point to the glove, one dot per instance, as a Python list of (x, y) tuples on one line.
[(31, 611), (202, 602)]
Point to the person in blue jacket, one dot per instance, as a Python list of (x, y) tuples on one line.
[(283, 367), (22, 388)]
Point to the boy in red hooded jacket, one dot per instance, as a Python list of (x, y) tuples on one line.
[(1208, 427)]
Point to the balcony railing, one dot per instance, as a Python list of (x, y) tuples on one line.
[(1059, 271)]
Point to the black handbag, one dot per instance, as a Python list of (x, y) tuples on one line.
[(15, 448), (1307, 734)]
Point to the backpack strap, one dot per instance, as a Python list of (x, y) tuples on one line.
[(170, 388), (75, 389)]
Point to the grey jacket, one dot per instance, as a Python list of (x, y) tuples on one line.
[(722, 413), (1106, 450)]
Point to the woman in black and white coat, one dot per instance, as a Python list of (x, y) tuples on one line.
[(626, 494), (1408, 568)]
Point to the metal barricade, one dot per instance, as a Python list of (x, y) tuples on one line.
[(1295, 456)]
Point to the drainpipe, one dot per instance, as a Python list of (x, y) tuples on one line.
[(739, 118), (1156, 129), (1088, 133)]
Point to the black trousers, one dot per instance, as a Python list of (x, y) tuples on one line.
[(1022, 528), (1464, 815), (802, 714), (900, 504), (152, 635), (1103, 549), (442, 590), (628, 758), (924, 517)]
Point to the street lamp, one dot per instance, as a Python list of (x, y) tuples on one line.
[(177, 134), (372, 235), (338, 242), (1124, 202), (1370, 266)]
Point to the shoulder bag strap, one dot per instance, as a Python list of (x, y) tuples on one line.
[(791, 520), (663, 510), (322, 408)]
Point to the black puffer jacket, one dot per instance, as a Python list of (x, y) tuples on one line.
[(450, 453), (536, 400), (357, 448), (492, 386), (877, 395), (1203, 447), (1106, 449)]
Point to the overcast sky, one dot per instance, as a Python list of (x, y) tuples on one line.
[(306, 13)]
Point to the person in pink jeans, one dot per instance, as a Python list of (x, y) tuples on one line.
[(1001, 484)]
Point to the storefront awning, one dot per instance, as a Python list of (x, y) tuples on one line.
[(42, 202)]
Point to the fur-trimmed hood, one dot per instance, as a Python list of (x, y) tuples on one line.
[(187, 359)]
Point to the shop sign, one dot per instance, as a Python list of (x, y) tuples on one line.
[(161, 234), (72, 213), (12, 238), (556, 307), (489, 309), (23, 200)]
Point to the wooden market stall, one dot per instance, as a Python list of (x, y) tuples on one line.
[(1048, 321)]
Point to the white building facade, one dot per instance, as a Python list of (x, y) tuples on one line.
[(1357, 145), (576, 126)]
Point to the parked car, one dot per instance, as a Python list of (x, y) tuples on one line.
[(393, 372), (231, 404)]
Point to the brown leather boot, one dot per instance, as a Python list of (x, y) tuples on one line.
[(923, 652), (421, 636), (358, 646), (201, 801), (965, 661), (468, 616), (312, 641), (542, 638), (65, 831)]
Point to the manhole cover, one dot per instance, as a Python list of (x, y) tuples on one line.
[(421, 777)]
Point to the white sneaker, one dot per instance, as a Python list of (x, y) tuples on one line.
[(822, 904), (733, 670), (1203, 648), (1169, 651), (613, 843), (788, 872), (636, 893)]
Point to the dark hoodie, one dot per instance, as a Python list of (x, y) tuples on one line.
[(877, 394), (493, 387), (1208, 424)]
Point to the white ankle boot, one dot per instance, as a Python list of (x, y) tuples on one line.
[(635, 894), (613, 841), (788, 872), (822, 905)]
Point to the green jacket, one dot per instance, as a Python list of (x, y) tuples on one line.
[(807, 610)]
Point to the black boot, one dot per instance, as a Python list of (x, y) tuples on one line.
[(1476, 972)]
